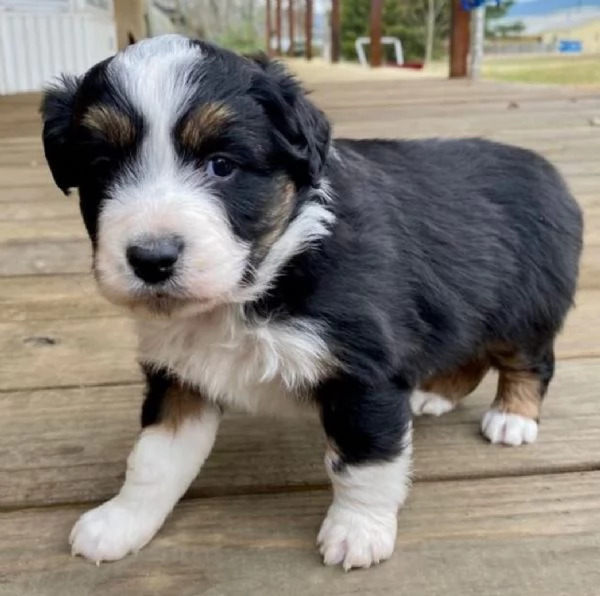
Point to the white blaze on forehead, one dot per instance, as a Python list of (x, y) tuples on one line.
[(154, 76)]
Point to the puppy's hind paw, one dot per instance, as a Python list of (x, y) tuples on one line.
[(508, 429)]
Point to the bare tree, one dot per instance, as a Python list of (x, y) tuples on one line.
[(434, 11), (216, 19), (430, 31)]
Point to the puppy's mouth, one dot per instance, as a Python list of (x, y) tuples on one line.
[(159, 302), (158, 305), (164, 300)]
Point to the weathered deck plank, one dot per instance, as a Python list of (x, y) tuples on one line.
[(70, 445), (481, 519), (50, 350), (37, 297), (524, 537)]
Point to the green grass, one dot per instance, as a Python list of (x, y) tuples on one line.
[(560, 70)]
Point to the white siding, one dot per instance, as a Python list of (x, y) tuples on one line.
[(36, 5), (35, 46)]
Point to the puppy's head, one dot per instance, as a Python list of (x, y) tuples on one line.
[(196, 171)]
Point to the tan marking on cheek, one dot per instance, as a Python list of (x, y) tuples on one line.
[(458, 383), (112, 124), (207, 121), (277, 218), (180, 404)]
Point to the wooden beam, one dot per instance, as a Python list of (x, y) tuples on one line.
[(460, 34), (268, 27), (308, 30), (376, 28), (291, 27), (130, 22), (336, 37), (278, 24)]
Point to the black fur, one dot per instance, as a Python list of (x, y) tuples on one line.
[(441, 249), (158, 383), (301, 131), (58, 110), (78, 157)]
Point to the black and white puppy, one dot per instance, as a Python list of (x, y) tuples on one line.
[(270, 269)]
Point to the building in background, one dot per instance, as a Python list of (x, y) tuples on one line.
[(574, 30), (578, 34), (40, 39)]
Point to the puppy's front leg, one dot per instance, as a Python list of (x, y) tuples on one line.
[(369, 463), (178, 435)]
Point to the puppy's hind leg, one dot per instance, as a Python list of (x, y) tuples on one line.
[(442, 393), (523, 381), (178, 435)]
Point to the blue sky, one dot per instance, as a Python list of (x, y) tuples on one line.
[(526, 8)]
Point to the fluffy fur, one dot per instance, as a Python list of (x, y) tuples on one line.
[(342, 277)]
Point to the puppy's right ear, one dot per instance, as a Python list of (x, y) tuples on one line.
[(57, 110)]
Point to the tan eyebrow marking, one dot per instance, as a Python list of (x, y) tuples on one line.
[(206, 121), (117, 127)]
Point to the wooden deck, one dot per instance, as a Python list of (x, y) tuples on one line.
[(481, 520)]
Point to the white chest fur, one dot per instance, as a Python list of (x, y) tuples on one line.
[(264, 366)]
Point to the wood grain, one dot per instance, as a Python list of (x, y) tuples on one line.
[(481, 520), (45, 257), (59, 353), (37, 297), (40, 209), (99, 347), (70, 445), (525, 537)]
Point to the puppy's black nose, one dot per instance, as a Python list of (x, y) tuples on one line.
[(153, 260)]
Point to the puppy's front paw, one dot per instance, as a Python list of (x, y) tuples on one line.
[(111, 531), (356, 539), (508, 429)]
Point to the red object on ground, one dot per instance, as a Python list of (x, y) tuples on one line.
[(413, 65)]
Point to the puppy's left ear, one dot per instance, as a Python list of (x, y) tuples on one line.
[(57, 110), (301, 130)]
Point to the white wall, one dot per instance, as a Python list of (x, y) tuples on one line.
[(38, 45)]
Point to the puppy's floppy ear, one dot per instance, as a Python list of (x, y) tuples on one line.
[(57, 110), (301, 130)]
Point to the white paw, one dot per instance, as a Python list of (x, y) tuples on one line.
[(422, 402), (356, 539), (111, 531), (509, 429)]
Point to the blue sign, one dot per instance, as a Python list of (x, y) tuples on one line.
[(570, 46), (472, 4)]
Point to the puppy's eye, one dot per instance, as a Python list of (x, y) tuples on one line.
[(220, 167)]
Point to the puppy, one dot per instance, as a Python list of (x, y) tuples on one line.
[(270, 269)]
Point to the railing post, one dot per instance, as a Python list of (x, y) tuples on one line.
[(459, 40), (268, 27), (336, 36), (278, 26), (291, 23), (308, 29), (376, 32)]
